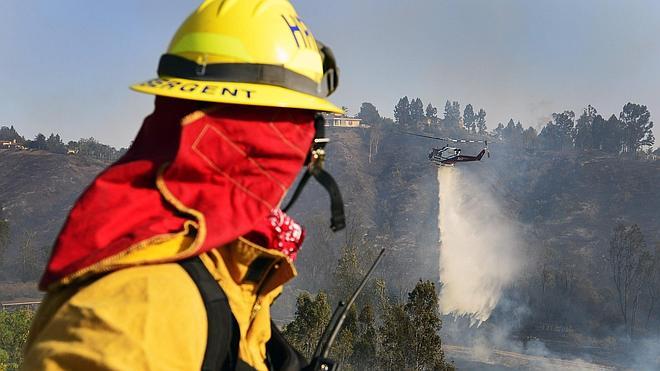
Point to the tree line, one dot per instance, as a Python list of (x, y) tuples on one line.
[(623, 134), (380, 330), (411, 114), (89, 147)]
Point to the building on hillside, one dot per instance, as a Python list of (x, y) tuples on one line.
[(11, 144), (340, 120)]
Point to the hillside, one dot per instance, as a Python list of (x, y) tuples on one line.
[(37, 188), (390, 202), (567, 203)]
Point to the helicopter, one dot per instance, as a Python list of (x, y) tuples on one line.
[(449, 156)]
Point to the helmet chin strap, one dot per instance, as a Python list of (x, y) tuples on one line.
[(314, 164)]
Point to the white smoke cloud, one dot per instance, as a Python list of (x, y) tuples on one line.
[(482, 253), (480, 246)]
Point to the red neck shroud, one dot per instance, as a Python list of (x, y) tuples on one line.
[(225, 168)]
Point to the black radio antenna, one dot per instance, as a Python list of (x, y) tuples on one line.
[(319, 360)]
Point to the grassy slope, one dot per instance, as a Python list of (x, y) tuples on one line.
[(569, 201), (36, 190)]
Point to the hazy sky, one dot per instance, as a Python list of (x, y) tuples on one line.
[(66, 65)]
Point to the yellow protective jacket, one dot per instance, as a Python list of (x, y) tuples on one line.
[(152, 317)]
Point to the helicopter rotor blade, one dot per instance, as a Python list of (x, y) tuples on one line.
[(444, 138), (425, 136)]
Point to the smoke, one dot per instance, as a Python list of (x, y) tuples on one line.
[(485, 253), (480, 246), (494, 346), (534, 356), (645, 355)]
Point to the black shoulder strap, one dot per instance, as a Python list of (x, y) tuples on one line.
[(281, 355), (221, 349), (337, 220)]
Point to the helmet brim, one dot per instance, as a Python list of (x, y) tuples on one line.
[(234, 93)]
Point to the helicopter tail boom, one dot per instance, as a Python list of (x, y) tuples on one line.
[(481, 154)]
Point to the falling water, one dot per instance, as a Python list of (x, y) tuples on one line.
[(479, 245)]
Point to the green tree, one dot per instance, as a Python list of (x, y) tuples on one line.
[(470, 119), (39, 142), (395, 331), (481, 122), (630, 266), (513, 132), (637, 126), (499, 130), (600, 134), (565, 124), (382, 300), (369, 114), (558, 133), (311, 318), (507, 132), (366, 339), (402, 112), (608, 134), (452, 115), (54, 144), (530, 138), (348, 272), (417, 112), (518, 131), (14, 327), (92, 148), (410, 333), (342, 349), (9, 133), (426, 346), (614, 139), (583, 131), (431, 114)]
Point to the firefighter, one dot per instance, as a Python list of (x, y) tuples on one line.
[(172, 257)]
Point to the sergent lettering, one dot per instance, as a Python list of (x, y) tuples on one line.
[(209, 89), (233, 93), (206, 89), (189, 88)]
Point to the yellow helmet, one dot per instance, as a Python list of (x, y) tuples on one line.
[(253, 52)]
